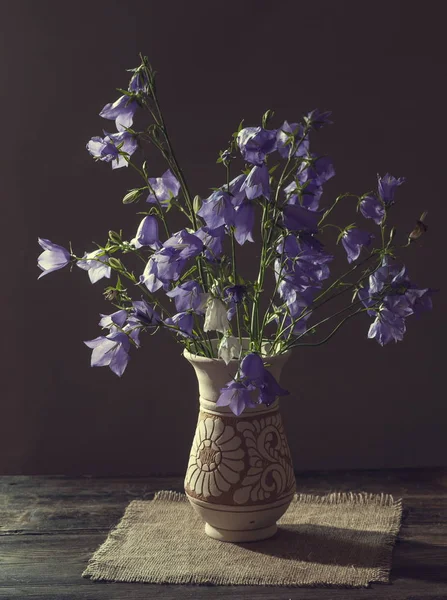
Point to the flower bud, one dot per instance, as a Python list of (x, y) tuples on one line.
[(132, 196), (114, 237)]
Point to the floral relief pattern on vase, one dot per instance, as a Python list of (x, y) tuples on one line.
[(270, 473), (216, 458)]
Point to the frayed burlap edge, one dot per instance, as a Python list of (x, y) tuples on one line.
[(380, 574)]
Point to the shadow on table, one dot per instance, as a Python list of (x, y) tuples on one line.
[(323, 545), (419, 560)]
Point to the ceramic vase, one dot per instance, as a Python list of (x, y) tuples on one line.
[(240, 476)]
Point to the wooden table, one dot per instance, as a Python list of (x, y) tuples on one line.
[(50, 526)]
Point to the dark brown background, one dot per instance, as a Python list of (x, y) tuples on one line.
[(379, 66)]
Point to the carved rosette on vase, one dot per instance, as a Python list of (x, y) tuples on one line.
[(240, 475)]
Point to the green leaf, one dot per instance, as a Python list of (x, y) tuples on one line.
[(266, 117)]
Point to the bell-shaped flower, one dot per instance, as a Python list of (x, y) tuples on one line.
[(216, 316), (387, 327), (163, 267), (117, 318), (121, 111), (236, 396), (138, 83), (186, 244), (353, 240), (237, 194), (147, 233), (229, 348), (53, 257), (387, 186), (318, 169), (255, 143), (252, 369), (270, 389), (95, 264), (145, 314), (212, 241), (110, 351), (257, 183), (111, 148), (163, 189), (372, 208), (308, 195), (217, 210), (189, 296), (183, 323), (292, 133), (244, 219), (297, 218)]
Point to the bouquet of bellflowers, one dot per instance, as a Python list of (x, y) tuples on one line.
[(189, 283)]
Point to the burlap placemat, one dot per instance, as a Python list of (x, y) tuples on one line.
[(336, 540)]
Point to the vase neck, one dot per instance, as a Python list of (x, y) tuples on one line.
[(210, 407)]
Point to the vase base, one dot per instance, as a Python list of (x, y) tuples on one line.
[(237, 536)]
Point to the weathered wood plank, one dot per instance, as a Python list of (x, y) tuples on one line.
[(52, 525)]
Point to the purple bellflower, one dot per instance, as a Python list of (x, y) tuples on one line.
[(354, 240), (110, 351), (236, 192), (147, 233), (121, 111), (212, 241), (317, 119), (372, 208), (255, 143), (387, 327), (189, 296), (116, 319), (236, 396), (163, 189), (183, 322), (53, 257), (284, 140), (95, 263), (109, 148), (387, 187), (298, 218), (217, 210), (244, 219), (257, 183), (144, 313)]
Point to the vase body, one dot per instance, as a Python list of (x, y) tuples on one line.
[(240, 476)]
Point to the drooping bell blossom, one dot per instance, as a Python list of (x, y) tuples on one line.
[(308, 195), (229, 348), (189, 296), (186, 244), (255, 143), (284, 141), (117, 318), (387, 327), (319, 169), (354, 240), (216, 316), (237, 194), (121, 111), (147, 233), (257, 183), (252, 369), (183, 322), (163, 267), (145, 313), (244, 219), (372, 208), (270, 389), (95, 263), (106, 149), (298, 218), (212, 241), (237, 396), (53, 257), (217, 210), (163, 188), (387, 187), (317, 119), (110, 351)]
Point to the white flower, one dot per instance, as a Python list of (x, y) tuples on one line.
[(96, 267), (229, 348), (216, 316), (215, 463)]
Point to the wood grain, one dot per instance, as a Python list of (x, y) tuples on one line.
[(50, 526)]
